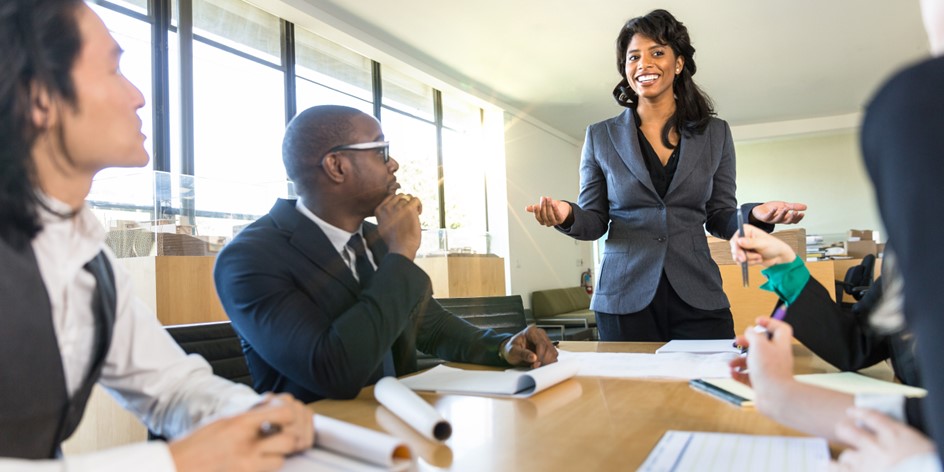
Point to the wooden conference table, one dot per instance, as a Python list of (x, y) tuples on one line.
[(582, 424)]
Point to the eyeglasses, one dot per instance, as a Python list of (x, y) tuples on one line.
[(381, 146)]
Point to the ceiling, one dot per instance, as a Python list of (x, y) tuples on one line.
[(760, 61)]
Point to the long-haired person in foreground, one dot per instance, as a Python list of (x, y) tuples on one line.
[(656, 177), (68, 319)]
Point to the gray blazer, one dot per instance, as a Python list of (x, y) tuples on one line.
[(649, 235)]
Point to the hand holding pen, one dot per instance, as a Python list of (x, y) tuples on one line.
[(758, 247), (770, 357), (779, 314), (258, 439)]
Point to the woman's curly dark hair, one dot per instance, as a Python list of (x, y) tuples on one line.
[(693, 108), (39, 43)]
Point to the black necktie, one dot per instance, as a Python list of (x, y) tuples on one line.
[(104, 305), (365, 270)]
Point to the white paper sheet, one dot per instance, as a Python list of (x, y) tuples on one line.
[(513, 383), (634, 365), (853, 383), (327, 461), (683, 451), (846, 382), (412, 409), (699, 346)]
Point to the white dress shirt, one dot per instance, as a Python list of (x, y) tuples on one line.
[(145, 370), (339, 238)]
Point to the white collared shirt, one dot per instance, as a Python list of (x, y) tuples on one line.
[(338, 238), (145, 370)]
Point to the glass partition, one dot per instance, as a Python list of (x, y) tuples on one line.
[(149, 213), (441, 242)]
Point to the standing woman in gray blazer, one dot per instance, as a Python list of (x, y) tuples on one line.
[(655, 177)]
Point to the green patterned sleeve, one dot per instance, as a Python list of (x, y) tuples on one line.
[(786, 280)]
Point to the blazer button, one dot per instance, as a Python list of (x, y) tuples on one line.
[(662, 207), (661, 239)]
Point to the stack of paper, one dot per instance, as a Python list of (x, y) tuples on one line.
[(676, 365)]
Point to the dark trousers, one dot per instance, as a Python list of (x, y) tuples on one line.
[(668, 317)]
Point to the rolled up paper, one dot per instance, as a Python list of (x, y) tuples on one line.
[(412, 409), (359, 442), (435, 453)]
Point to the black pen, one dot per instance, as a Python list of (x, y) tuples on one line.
[(268, 428)]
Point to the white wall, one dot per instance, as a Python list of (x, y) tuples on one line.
[(823, 171), (538, 163)]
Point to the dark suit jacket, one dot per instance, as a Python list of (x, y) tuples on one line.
[(649, 234), (309, 329), (903, 147)]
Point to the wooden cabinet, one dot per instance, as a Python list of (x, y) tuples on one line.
[(465, 275), (179, 289), (747, 303)]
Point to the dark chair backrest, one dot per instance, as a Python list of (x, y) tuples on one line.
[(503, 314), (859, 277), (219, 344)]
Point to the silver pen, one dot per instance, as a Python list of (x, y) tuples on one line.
[(744, 275)]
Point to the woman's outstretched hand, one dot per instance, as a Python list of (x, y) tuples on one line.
[(550, 212), (777, 212)]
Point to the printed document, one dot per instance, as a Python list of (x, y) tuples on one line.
[(684, 451)]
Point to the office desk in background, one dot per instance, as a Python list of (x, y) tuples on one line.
[(582, 424)]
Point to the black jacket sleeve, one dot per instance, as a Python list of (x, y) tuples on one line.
[(840, 337)]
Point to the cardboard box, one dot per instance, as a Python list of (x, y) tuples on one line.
[(859, 235), (858, 249), (795, 238)]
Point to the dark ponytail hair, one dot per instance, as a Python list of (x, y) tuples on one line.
[(39, 43), (694, 108)]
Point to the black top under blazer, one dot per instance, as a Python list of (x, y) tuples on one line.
[(649, 235)]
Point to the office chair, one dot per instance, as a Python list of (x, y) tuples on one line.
[(219, 344), (504, 314), (858, 279)]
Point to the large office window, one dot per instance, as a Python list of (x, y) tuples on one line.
[(407, 119), (228, 95), (463, 165), (238, 104), (329, 74)]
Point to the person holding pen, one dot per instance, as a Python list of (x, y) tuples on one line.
[(768, 369), (901, 143), (654, 178), (68, 316), (850, 340)]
